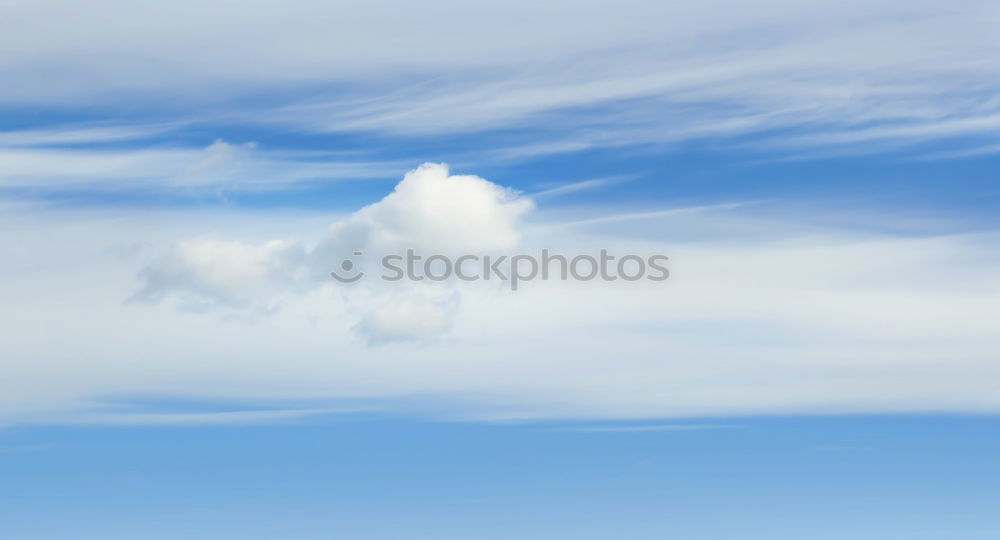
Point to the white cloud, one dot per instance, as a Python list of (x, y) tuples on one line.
[(430, 211), (206, 270), (411, 315)]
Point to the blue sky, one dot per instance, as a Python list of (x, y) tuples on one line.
[(805, 477), (178, 180)]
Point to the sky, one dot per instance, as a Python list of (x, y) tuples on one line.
[(178, 181)]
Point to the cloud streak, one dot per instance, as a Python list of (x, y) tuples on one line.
[(31, 163), (645, 72)]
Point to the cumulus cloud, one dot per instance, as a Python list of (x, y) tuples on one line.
[(433, 212), (429, 210), (414, 315), (206, 271)]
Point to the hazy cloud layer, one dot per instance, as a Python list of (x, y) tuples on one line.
[(764, 312)]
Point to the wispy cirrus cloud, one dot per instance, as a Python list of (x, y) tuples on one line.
[(83, 134), (35, 162), (645, 428), (833, 74)]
